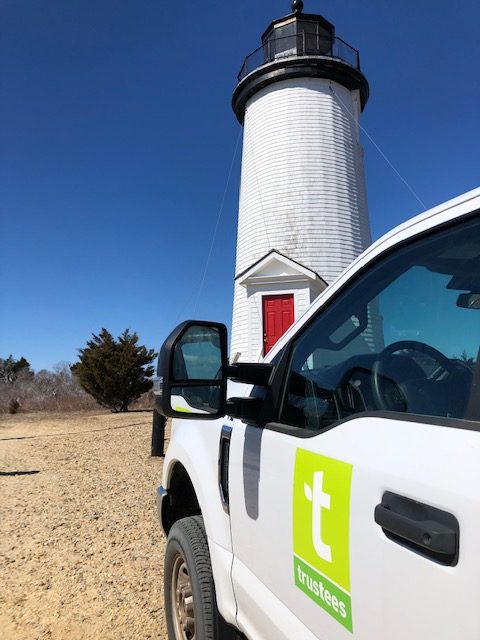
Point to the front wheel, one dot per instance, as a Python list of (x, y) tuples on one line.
[(189, 590)]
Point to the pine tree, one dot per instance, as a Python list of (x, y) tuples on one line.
[(115, 372), (11, 368)]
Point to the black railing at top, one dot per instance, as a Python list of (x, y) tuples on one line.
[(300, 44)]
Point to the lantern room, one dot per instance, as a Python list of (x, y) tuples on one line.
[(298, 34)]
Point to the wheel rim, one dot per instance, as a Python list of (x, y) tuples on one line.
[(182, 600)]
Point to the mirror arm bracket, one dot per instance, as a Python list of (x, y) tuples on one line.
[(257, 373), (247, 409)]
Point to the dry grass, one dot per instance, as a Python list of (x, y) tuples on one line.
[(80, 547)]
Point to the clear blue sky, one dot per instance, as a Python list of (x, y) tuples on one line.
[(117, 137)]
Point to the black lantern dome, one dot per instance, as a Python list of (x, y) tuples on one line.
[(299, 45)]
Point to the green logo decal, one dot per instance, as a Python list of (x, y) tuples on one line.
[(321, 514)]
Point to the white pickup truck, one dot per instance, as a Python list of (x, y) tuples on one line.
[(337, 494)]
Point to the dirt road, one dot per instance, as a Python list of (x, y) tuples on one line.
[(81, 552)]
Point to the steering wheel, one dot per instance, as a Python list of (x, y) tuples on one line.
[(396, 395)]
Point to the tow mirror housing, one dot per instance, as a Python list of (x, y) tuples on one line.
[(192, 376), (192, 371)]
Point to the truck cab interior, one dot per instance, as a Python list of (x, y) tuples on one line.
[(402, 338)]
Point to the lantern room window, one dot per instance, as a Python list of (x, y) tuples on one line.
[(298, 35)]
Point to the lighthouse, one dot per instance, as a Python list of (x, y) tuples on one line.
[(303, 213)]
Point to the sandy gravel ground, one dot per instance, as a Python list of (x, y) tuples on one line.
[(81, 552)]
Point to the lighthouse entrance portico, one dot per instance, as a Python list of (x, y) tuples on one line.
[(276, 291)]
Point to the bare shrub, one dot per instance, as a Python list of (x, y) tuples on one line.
[(146, 401), (13, 405), (57, 390)]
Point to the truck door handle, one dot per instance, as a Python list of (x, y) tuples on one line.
[(427, 530), (426, 533)]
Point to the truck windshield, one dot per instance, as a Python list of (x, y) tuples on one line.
[(404, 338)]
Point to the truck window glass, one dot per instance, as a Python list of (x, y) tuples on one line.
[(404, 337)]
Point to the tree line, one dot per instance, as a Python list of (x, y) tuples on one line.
[(112, 373)]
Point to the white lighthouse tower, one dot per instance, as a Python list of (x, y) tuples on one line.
[(302, 212)]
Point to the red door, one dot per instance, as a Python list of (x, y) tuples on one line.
[(277, 317)]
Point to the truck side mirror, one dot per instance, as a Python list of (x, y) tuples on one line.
[(192, 371)]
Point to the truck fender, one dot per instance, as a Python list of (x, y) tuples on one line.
[(190, 486)]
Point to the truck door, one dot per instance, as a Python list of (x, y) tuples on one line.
[(355, 512)]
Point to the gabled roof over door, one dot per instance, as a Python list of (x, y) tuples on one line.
[(276, 268)]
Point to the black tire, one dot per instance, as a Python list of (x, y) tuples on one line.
[(190, 604)]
